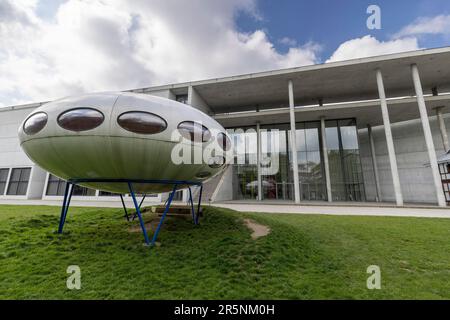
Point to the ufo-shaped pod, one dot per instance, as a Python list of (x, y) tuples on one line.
[(120, 136)]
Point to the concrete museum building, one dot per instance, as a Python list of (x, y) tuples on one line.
[(366, 130)]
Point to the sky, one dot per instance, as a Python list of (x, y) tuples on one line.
[(55, 48)]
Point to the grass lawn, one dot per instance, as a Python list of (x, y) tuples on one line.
[(304, 256)]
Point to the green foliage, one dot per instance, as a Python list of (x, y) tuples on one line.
[(304, 256)]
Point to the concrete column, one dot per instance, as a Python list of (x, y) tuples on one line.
[(374, 163), (442, 128), (294, 143), (428, 136), (258, 159), (389, 140), (325, 159)]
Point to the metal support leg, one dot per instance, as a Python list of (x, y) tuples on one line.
[(191, 201), (140, 205), (155, 235), (65, 206), (199, 203), (138, 212), (142, 201), (124, 208)]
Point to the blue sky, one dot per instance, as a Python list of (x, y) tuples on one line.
[(334, 22), (55, 48)]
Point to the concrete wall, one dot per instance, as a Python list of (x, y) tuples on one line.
[(11, 153), (412, 159), (224, 191), (162, 93), (195, 100)]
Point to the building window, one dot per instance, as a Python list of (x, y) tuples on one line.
[(183, 98), (83, 191), (108, 194), (18, 183), (57, 187), (3, 178)]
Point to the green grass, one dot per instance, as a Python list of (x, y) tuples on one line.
[(304, 257)]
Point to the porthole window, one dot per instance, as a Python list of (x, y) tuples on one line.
[(142, 122), (216, 162), (35, 123), (81, 119), (223, 141), (203, 175), (194, 131)]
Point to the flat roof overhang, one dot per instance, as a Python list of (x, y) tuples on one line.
[(352, 80), (366, 113)]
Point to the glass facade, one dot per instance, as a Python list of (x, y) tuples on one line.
[(276, 162), (347, 182), (245, 176)]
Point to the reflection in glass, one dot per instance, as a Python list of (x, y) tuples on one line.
[(142, 122), (81, 119), (345, 165), (194, 131), (35, 123), (276, 162)]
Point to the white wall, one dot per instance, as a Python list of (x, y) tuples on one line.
[(412, 159)]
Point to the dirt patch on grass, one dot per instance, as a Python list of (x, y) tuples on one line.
[(259, 230), (149, 225)]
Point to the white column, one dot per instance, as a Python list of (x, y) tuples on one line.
[(325, 159), (428, 136), (389, 140), (294, 143), (443, 129), (258, 159), (374, 163)]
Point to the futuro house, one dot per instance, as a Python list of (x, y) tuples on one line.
[(123, 136)]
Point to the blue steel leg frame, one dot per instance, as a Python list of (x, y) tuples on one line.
[(199, 203), (65, 206), (140, 205), (124, 208), (138, 212), (155, 235), (191, 201), (70, 185)]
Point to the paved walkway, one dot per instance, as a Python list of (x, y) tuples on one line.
[(356, 209), (426, 212)]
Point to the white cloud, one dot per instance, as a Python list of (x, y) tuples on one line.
[(426, 25), (368, 46), (288, 41), (95, 45)]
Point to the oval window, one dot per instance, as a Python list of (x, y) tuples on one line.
[(142, 122), (203, 175), (80, 119), (223, 141), (216, 162), (194, 131), (35, 123)]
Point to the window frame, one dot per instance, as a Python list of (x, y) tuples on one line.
[(19, 182), (6, 182), (80, 108)]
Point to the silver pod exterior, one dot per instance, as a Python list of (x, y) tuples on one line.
[(125, 136)]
